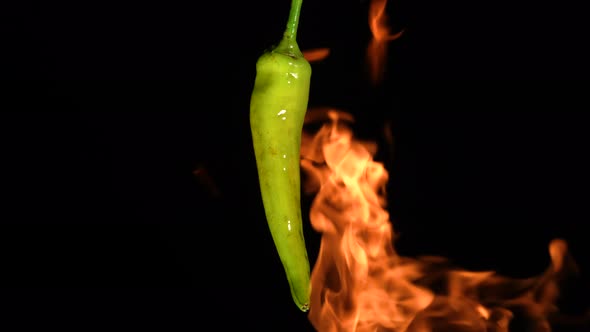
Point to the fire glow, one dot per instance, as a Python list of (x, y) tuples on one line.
[(360, 283), (377, 49)]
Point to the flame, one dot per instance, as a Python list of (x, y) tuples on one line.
[(316, 55), (360, 283), (205, 179), (377, 49)]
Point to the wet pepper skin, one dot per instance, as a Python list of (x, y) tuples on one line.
[(277, 110)]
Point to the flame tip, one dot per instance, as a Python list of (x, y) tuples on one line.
[(316, 54)]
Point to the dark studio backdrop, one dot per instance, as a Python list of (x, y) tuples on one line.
[(111, 108)]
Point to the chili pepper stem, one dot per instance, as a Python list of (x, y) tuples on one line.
[(293, 22), (288, 44)]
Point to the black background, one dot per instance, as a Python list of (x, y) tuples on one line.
[(110, 108)]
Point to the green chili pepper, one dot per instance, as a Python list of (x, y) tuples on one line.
[(277, 110)]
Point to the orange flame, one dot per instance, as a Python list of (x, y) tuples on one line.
[(316, 55), (377, 49), (360, 283)]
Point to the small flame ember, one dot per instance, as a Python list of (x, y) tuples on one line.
[(360, 283), (316, 54), (377, 50)]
